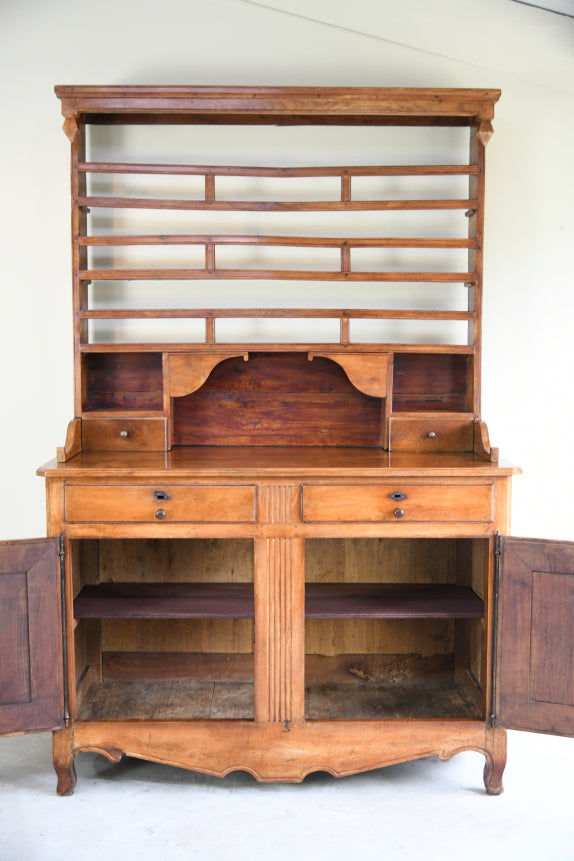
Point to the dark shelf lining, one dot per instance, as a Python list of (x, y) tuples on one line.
[(391, 601), (165, 601), (236, 601)]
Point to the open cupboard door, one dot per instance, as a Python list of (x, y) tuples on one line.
[(534, 669), (31, 638)]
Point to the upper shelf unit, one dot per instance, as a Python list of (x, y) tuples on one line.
[(365, 236)]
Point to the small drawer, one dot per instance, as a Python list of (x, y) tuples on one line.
[(123, 434), (431, 433), (158, 503), (393, 502)]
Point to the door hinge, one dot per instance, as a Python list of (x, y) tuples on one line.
[(62, 555), (497, 557)]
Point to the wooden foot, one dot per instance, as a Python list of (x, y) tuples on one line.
[(495, 753), (63, 756)]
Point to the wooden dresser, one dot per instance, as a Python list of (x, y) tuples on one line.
[(278, 534)]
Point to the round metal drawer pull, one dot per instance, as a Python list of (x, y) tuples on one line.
[(399, 512), (160, 514), (124, 434), (431, 434)]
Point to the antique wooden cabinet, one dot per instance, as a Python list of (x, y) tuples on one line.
[(278, 534)]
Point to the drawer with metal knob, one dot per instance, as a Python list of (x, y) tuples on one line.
[(354, 503), (123, 434), (430, 432), (156, 502)]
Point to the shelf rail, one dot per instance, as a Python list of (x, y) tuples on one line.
[(342, 272)]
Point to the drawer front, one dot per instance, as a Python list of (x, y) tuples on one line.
[(123, 434), (393, 502), (157, 503), (428, 433)]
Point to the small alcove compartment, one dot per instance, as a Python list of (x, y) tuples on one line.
[(122, 381), (278, 399), (439, 382)]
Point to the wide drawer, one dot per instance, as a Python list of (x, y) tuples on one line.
[(388, 502), (157, 502)]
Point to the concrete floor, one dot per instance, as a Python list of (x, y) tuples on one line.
[(419, 810)]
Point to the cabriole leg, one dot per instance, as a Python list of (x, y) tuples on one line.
[(63, 755), (495, 753)]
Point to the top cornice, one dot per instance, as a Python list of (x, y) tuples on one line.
[(331, 105)]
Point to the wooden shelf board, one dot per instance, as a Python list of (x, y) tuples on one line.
[(391, 601), (165, 601), (235, 601), (262, 347)]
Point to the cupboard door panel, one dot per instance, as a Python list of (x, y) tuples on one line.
[(535, 658), (31, 668), (15, 678)]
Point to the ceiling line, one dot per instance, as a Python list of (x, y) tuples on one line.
[(352, 31), (298, 15), (544, 8)]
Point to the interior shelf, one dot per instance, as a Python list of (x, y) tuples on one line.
[(391, 601), (235, 601), (165, 601)]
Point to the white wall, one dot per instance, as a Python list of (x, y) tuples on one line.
[(528, 352)]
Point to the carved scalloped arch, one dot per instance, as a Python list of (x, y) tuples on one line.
[(189, 371), (368, 372)]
